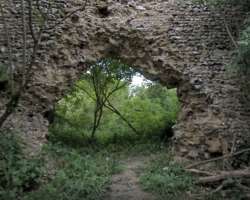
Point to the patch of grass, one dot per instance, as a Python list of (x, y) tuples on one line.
[(85, 173), (80, 174), (74, 173), (166, 179)]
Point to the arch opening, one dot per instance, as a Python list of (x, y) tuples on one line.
[(114, 102)]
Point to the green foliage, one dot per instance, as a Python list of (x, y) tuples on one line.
[(166, 179), (74, 117), (109, 71), (83, 108), (17, 173), (152, 110), (85, 173), (166, 98), (80, 174), (106, 78)]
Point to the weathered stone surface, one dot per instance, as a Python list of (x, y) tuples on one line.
[(179, 44)]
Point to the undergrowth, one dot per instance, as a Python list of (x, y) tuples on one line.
[(166, 179), (58, 173), (85, 173), (66, 173), (18, 174), (79, 174)]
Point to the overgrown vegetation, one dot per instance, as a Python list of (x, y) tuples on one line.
[(112, 111), (167, 179), (102, 107), (69, 173), (79, 174), (132, 121), (102, 81), (18, 174)]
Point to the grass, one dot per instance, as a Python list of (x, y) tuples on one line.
[(85, 173), (76, 173), (80, 174), (166, 179)]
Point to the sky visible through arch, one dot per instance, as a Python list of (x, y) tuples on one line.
[(138, 80)]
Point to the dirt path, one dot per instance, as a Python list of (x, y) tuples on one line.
[(125, 186)]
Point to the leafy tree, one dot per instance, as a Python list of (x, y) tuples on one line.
[(105, 78), (151, 109)]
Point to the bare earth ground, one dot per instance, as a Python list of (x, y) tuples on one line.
[(125, 185)]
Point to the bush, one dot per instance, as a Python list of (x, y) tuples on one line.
[(17, 173)]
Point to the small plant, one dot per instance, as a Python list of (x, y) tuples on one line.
[(166, 179)]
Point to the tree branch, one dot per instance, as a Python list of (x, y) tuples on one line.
[(218, 158), (224, 175), (88, 93), (114, 110)]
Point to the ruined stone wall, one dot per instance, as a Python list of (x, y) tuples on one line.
[(181, 45)]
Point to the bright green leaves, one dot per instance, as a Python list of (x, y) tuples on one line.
[(113, 70), (107, 73), (105, 89)]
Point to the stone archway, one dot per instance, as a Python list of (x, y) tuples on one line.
[(181, 45)]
